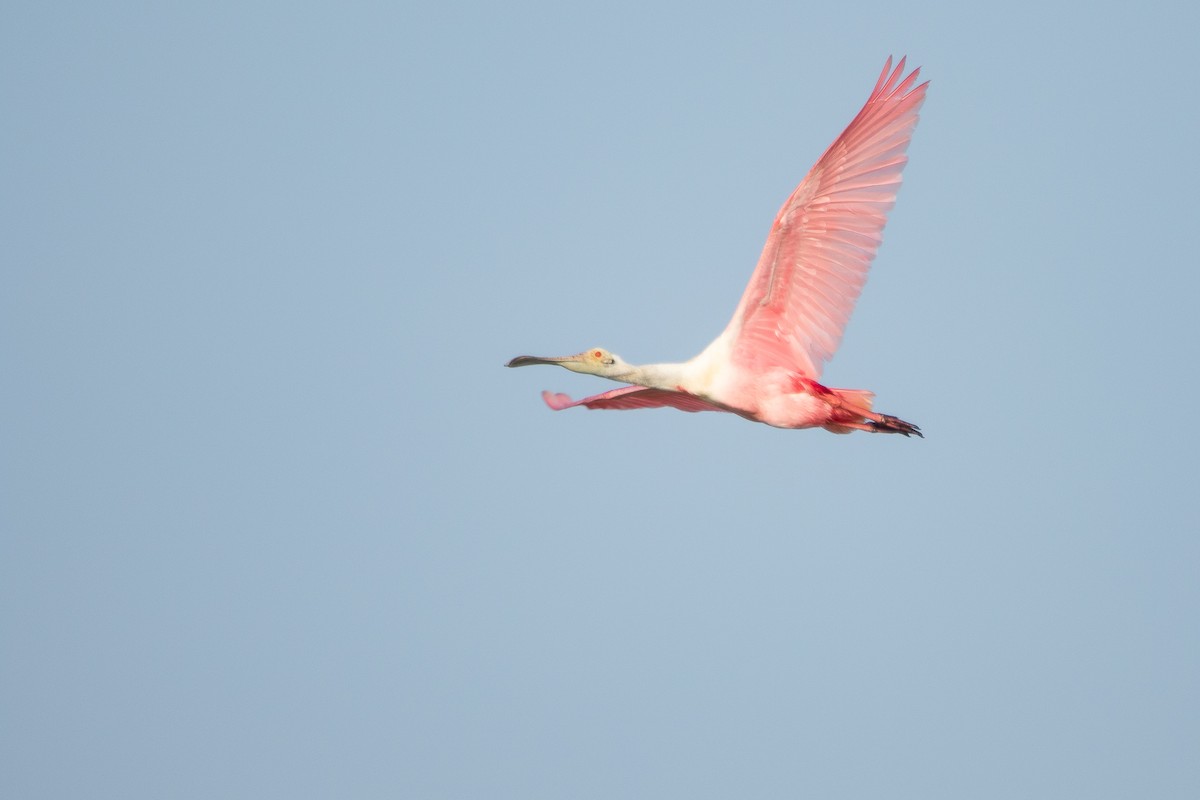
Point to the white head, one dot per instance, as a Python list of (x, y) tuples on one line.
[(596, 361)]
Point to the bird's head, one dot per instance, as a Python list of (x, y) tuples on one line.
[(596, 361)]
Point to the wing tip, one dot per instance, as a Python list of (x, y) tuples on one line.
[(557, 401), (893, 81)]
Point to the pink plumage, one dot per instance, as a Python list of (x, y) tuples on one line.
[(631, 397), (766, 363), (825, 236)]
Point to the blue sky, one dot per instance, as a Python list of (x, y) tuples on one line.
[(276, 522)]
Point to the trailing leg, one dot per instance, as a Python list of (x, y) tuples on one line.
[(851, 410)]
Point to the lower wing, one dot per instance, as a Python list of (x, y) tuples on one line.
[(631, 397)]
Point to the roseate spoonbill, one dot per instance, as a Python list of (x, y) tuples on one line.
[(766, 363)]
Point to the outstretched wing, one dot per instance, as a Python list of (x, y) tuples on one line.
[(631, 397), (816, 258)]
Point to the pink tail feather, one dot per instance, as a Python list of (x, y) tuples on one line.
[(852, 412), (855, 405)]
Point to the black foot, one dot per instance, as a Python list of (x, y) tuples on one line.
[(896, 425)]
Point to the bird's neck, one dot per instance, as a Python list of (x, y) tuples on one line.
[(655, 376)]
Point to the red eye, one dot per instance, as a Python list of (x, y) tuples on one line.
[(597, 353)]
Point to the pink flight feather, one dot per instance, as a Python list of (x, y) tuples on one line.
[(815, 261), (631, 397)]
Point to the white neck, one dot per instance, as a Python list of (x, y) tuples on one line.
[(655, 376)]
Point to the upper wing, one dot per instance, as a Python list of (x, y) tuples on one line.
[(816, 258), (630, 397)]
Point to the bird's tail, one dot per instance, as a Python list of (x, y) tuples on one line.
[(852, 412), (851, 407)]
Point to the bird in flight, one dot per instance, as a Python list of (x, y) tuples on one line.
[(766, 363)]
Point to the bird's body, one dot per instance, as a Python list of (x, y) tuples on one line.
[(766, 363)]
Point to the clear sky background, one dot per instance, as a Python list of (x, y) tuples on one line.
[(277, 523)]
